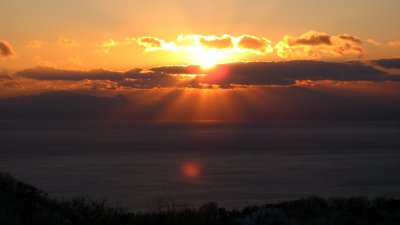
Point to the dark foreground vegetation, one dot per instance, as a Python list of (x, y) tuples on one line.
[(21, 203)]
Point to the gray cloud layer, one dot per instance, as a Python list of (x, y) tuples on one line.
[(388, 63), (136, 78), (287, 73), (5, 49), (251, 73)]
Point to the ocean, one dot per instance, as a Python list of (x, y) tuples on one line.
[(133, 164)]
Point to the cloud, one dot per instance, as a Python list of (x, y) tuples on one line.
[(373, 42), (152, 44), (315, 45), (388, 63), (352, 38), (394, 43), (136, 78), (148, 80), (224, 42), (191, 69), (6, 50), (46, 73), (4, 75), (111, 43), (97, 85), (128, 41), (286, 73), (194, 43), (377, 43), (7, 82), (310, 38), (230, 75), (390, 43), (106, 45), (67, 43), (256, 44), (36, 44), (10, 84)]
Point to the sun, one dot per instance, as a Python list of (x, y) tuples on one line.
[(191, 169), (207, 63), (207, 59)]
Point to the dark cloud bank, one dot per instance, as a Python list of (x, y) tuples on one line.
[(286, 73), (283, 101), (251, 73), (388, 63)]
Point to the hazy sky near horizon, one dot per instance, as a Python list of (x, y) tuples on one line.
[(89, 34)]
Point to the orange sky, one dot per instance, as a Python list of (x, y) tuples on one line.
[(104, 34), (121, 46)]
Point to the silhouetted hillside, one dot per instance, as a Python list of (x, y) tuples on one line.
[(21, 203), (61, 105)]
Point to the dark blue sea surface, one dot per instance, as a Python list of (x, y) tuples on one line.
[(132, 163)]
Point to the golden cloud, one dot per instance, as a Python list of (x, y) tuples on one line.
[(196, 42), (67, 43), (309, 38), (223, 42), (390, 43), (152, 44), (106, 45), (314, 45), (284, 73), (373, 42), (37, 44), (111, 43), (256, 44), (350, 37)]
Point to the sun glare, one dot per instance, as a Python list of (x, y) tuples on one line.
[(206, 63), (207, 59), (191, 169)]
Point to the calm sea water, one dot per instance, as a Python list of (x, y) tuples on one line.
[(133, 163)]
